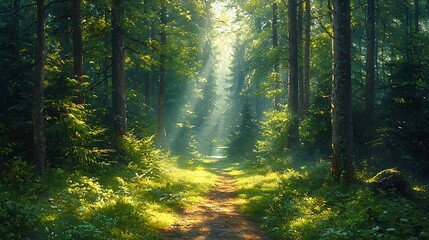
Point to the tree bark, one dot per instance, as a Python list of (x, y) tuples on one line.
[(147, 88), (162, 78), (107, 63), (370, 63), (342, 165), (408, 30), (300, 58), (146, 74), (416, 15), (293, 73), (276, 60), (14, 40), (39, 139), (118, 70), (427, 7), (154, 73), (306, 100), (77, 45)]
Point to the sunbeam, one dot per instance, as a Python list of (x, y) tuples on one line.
[(212, 132)]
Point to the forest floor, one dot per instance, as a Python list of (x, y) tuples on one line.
[(218, 216)]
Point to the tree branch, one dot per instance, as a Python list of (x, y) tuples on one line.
[(141, 42), (324, 28), (19, 9), (53, 2), (100, 82), (104, 79)]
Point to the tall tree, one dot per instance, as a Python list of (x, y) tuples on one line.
[(276, 60), (162, 76), (342, 165), (39, 139), (416, 15), (16, 4), (300, 21), (146, 74), (370, 62), (77, 45), (118, 70), (293, 72), (427, 7), (408, 26), (107, 61), (306, 80)]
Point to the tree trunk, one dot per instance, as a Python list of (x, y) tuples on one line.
[(162, 78), (16, 4), (370, 63), (147, 88), (342, 165), (376, 51), (107, 61), (146, 74), (154, 73), (300, 58), (427, 7), (77, 46), (276, 61), (306, 100), (118, 70), (38, 111), (408, 26), (416, 15), (293, 73)]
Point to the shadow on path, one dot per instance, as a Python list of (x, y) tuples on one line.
[(217, 217)]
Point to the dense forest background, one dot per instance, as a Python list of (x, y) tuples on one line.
[(98, 95)]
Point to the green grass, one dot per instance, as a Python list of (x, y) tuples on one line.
[(122, 203), (289, 200), (303, 202)]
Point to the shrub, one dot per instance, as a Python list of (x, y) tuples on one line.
[(74, 140), (275, 136), (243, 140)]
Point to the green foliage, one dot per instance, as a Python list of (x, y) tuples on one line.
[(18, 214), (405, 129), (243, 140), (141, 155), (275, 132), (124, 204), (315, 130), (308, 204), (78, 142), (131, 200)]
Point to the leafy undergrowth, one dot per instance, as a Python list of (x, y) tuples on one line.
[(307, 204), (124, 202)]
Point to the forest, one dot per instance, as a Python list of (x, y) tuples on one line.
[(214, 119)]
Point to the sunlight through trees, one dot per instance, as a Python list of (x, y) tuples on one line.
[(116, 114)]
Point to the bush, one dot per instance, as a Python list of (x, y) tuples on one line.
[(75, 142), (243, 140), (315, 132), (17, 211), (140, 154), (275, 136)]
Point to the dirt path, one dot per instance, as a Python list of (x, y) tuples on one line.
[(217, 218)]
